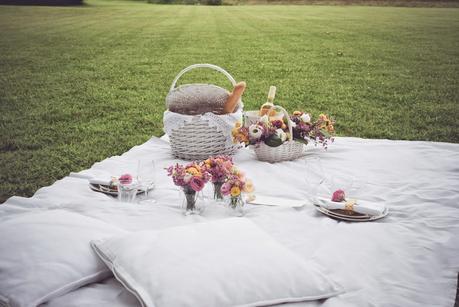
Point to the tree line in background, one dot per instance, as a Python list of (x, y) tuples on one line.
[(202, 2), (42, 2), (407, 3)]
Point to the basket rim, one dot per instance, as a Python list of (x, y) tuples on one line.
[(284, 152), (203, 65)]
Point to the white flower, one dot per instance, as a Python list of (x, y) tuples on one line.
[(255, 131), (305, 118), (187, 178), (281, 134), (264, 119), (293, 124)]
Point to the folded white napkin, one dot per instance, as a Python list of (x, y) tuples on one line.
[(101, 180), (276, 201), (363, 207)]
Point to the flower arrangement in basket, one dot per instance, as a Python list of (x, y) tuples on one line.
[(320, 131), (277, 136)]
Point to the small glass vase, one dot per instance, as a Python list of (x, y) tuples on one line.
[(218, 196), (190, 203), (236, 205)]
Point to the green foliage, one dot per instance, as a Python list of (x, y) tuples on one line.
[(42, 2), (79, 84), (204, 2), (174, 1), (400, 3), (213, 2)]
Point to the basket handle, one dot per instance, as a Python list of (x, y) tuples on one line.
[(289, 122), (211, 66)]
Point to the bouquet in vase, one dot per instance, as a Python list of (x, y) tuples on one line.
[(192, 179), (235, 184), (218, 167)]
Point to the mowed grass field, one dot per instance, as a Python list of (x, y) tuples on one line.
[(79, 84)]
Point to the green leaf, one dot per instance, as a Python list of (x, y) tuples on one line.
[(273, 141)]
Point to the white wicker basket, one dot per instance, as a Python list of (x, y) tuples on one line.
[(196, 138), (289, 150)]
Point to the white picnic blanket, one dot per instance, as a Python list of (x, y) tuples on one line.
[(409, 258)]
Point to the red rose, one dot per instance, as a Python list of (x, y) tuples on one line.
[(338, 196)]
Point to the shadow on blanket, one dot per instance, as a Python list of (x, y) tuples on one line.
[(457, 293)]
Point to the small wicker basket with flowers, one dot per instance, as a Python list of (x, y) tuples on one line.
[(278, 136)]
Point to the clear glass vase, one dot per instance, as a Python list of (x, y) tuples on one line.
[(191, 203), (218, 196), (236, 205)]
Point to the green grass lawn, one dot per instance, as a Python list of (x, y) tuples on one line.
[(79, 84)]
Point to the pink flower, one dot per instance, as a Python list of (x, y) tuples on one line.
[(227, 165), (196, 184), (187, 178), (226, 188), (338, 196), (125, 179)]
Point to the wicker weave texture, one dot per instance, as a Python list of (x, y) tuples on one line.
[(198, 141), (290, 150)]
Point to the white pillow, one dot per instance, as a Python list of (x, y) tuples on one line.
[(46, 254), (221, 263)]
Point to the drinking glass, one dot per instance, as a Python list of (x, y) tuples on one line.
[(351, 185), (146, 176), (127, 191), (314, 177), (341, 182)]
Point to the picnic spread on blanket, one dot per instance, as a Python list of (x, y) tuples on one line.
[(235, 207)]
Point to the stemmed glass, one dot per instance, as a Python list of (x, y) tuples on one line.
[(314, 177), (146, 176), (350, 184), (341, 182)]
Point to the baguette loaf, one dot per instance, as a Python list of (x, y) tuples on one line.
[(234, 98)]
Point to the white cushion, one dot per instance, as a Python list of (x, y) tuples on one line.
[(46, 254), (227, 262)]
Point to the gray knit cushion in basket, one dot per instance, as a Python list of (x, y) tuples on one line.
[(195, 99)]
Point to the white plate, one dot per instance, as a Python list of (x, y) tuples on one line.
[(350, 218), (355, 215)]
